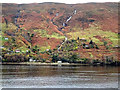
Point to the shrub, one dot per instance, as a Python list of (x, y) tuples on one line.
[(97, 47), (55, 58), (107, 47), (32, 35), (105, 43), (74, 58)]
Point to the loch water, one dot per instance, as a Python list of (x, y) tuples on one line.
[(36, 76)]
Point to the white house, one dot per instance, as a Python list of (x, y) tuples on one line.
[(30, 60), (47, 49), (1, 47), (6, 38), (17, 51)]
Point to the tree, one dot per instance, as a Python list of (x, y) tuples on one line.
[(105, 43), (91, 42), (83, 45), (29, 47), (91, 45), (73, 58), (55, 58), (32, 35), (35, 46), (107, 47), (97, 47), (6, 21)]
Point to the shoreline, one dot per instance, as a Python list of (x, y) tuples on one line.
[(54, 64), (45, 64)]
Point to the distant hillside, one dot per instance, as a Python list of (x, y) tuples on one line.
[(48, 26)]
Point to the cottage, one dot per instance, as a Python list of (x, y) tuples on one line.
[(47, 49), (87, 46), (6, 38), (30, 60), (59, 63), (1, 47), (17, 51)]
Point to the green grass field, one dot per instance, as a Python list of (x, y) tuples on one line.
[(44, 33), (94, 31)]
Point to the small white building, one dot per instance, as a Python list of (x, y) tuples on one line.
[(86, 46), (6, 38), (59, 63), (30, 60), (34, 60), (1, 47), (17, 51), (47, 49)]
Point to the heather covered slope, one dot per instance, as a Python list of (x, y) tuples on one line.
[(49, 26)]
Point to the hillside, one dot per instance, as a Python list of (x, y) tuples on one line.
[(54, 31)]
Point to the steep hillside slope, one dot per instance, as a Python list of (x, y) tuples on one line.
[(37, 28)]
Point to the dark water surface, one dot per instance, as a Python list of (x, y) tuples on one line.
[(17, 76)]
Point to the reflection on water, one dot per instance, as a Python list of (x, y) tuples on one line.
[(15, 76)]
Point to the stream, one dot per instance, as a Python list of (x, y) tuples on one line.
[(64, 25)]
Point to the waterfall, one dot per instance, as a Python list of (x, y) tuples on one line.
[(75, 11), (57, 14), (68, 19), (64, 24)]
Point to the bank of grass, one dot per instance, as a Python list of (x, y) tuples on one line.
[(43, 48), (11, 26), (44, 33), (23, 49), (94, 31)]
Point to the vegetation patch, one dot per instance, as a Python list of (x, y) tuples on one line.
[(44, 33), (89, 33), (43, 48), (10, 26)]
